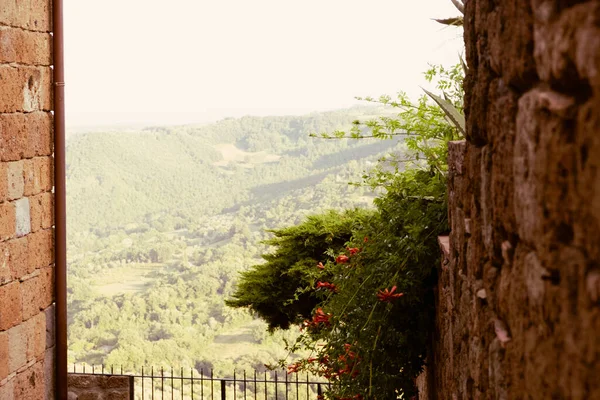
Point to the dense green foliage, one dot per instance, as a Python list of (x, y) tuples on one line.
[(371, 296), (271, 288)]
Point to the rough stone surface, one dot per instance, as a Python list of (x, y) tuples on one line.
[(11, 312), (25, 47), (518, 297), (26, 201), (99, 386), (23, 217)]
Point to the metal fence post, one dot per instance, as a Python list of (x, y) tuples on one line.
[(223, 388)]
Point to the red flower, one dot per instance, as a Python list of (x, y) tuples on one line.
[(342, 259), (388, 295), (293, 368), (353, 250), (321, 317), (366, 239), (320, 265), (327, 285)]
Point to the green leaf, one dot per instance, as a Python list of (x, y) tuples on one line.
[(450, 110)]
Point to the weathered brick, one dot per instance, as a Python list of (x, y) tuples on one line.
[(3, 181), (11, 309), (16, 183), (20, 46), (5, 271), (7, 390), (49, 368), (25, 135), (31, 298), (29, 384), (13, 258), (25, 88), (23, 219), (47, 287), (17, 348), (35, 332), (41, 251), (3, 355), (33, 15), (7, 221), (41, 213), (50, 326), (37, 174)]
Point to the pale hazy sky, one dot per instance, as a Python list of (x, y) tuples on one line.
[(182, 61)]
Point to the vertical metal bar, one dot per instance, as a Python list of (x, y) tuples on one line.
[(162, 383), (84, 368), (307, 386), (275, 384), (297, 388), (211, 385), (192, 376), (172, 385), (244, 384), (181, 380), (234, 386), (265, 385), (255, 388), (112, 369), (102, 368), (286, 385), (121, 369), (319, 389), (142, 382), (223, 394), (201, 383), (152, 381), (93, 369)]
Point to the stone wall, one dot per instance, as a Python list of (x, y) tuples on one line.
[(26, 210), (100, 387), (518, 299)]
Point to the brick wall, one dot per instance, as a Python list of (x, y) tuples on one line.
[(26, 201), (100, 387), (518, 299)]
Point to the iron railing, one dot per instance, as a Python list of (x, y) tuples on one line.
[(171, 383)]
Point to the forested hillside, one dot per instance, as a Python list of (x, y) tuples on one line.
[(162, 220)]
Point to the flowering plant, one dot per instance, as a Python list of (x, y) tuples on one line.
[(358, 283)]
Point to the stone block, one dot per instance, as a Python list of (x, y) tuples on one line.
[(42, 211), (25, 88), (29, 384), (50, 326), (18, 261), (25, 135), (38, 175), (25, 47), (23, 218), (16, 183), (49, 369), (31, 296), (7, 390), (8, 220), (3, 355), (118, 395), (47, 286), (114, 382), (3, 180), (41, 249), (11, 312), (17, 348), (35, 332), (34, 15)]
